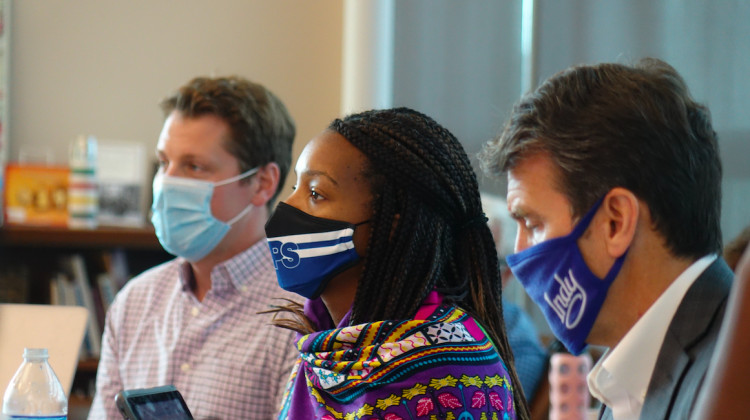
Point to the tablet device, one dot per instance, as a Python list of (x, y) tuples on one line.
[(161, 402)]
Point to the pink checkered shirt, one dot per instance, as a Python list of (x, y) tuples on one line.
[(226, 360)]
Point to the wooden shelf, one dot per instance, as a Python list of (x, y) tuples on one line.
[(130, 238), (88, 365)]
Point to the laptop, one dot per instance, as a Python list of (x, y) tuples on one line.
[(59, 329)]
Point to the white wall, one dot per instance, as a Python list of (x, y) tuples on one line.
[(101, 67)]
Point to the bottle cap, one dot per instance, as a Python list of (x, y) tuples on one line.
[(35, 353)]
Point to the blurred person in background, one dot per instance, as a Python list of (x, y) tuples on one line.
[(734, 250), (193, 322), (730, 366), (530, 356)]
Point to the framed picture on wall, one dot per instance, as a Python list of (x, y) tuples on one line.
[(120, 173)]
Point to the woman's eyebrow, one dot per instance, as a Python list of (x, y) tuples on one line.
[(313, 172)]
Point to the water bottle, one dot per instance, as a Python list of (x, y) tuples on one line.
[(35, 392), (569, 392)]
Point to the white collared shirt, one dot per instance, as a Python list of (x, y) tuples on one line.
[(620, 378)]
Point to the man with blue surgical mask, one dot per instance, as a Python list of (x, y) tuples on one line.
[(224, 150), (614, 179)]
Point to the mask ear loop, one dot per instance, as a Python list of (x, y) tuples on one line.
[(233, 179), (236, 177), (239, 216)]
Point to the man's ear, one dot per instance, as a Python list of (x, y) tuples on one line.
[(621, 209), (265, 183)]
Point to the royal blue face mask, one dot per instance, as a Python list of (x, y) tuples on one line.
[(557, 278), (308, 251)]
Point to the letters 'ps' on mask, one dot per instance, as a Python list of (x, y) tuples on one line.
[(558, 280), (308, 251)]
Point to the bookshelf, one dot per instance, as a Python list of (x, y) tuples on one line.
[(34, 236), (37, 245), (31, 256)]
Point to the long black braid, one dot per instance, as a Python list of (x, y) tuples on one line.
[(428, 229)]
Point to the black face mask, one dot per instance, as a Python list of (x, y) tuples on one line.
[(309, 251)]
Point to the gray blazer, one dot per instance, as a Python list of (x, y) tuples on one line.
[(686, 352)]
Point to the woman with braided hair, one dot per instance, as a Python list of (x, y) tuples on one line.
[(385, 236)]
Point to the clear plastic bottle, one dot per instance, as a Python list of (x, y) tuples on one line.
[(569, 392), (35, 392)]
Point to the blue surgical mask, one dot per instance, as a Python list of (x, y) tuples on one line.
[(308, 251), (557, 278), (181, 215)]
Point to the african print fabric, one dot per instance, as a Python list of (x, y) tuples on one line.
[(440, 365)]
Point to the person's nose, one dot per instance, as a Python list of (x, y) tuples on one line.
[(295, 199), (521, 242), (169, 169)]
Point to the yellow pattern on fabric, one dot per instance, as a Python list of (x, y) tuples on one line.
[(471, 381), (495, 380), (316, 394), (343, 363), (412, 392), (365, 410), (335, 413), (404, 327), (443, 382), (388, 402), (421, 389)]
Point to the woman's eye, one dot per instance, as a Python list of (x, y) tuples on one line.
[(315, 195)]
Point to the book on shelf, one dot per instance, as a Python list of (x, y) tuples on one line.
[(62, 290), (107, 287), (82, 295), (121, 170), (14, 282), (115, 264), (36, 194)]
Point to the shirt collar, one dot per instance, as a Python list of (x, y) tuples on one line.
[(232, 274), (621, 377)]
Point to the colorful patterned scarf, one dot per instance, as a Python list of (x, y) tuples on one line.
[(441, 365)]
